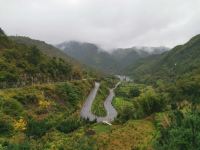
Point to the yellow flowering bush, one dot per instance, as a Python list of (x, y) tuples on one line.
[(20, 124), (44, 103)]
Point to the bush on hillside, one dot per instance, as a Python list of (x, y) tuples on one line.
[(37, 128), (26, 99), (150, 102), (182, 134), (15, 146), (68, 125), (69, 93), (134, 92), (6, 127), (12, 107), (126, 114)]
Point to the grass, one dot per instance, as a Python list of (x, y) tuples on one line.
[(101, 128), (120, 103), (125, 87), (98, 104), (135, 134)]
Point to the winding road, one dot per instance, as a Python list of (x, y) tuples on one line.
[(111, 112)]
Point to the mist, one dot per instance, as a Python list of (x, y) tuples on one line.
[(110, 23)]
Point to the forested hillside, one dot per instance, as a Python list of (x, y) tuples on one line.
[(175, 77), (89, 54), (181, 60), (44, 47), (39, 95), (21, 65)]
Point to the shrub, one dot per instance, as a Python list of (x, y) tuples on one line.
[(5, 125), (69, 125), (37, 128), (150, 102), (126, 114), (15, 146), (12, 107), (134, 92), (183, 133), (69, 93), (26, 99)]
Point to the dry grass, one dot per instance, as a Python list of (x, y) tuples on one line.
[(132, 135)]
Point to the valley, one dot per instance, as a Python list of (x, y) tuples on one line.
[(50, 100), (99, 75)]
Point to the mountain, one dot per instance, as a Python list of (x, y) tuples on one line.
[(1, 32), (22, 64), (52, 52), (129, 56), (89, 54), (4, 40), (113, 62), (181, 60), (44, 47)]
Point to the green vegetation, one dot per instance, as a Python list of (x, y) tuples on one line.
[(172, 107), (135, 134), (134, 101), (120, 104), (169, 66), (182, 131), (41, 98), (174, 79), (22, 65), (138, 134), (28, 114), (101, 128), (41, 94)]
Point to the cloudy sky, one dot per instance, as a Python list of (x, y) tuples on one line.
[(109, 23)]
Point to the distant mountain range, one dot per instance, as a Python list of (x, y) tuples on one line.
[(110, 62), (144, 64)]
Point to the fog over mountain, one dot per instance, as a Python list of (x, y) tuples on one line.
[(110, 23), (114, 61)]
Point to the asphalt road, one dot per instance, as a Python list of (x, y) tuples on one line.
[(86, 109), (111, 111)]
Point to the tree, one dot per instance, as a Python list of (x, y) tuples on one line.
[(34, 56), (151, 102), (37, 128), (134, 92), (181, 136), (69, 125)]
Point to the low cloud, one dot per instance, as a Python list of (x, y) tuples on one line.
[(109, 23)]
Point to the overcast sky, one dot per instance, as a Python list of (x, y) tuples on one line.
[(109, 23)]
